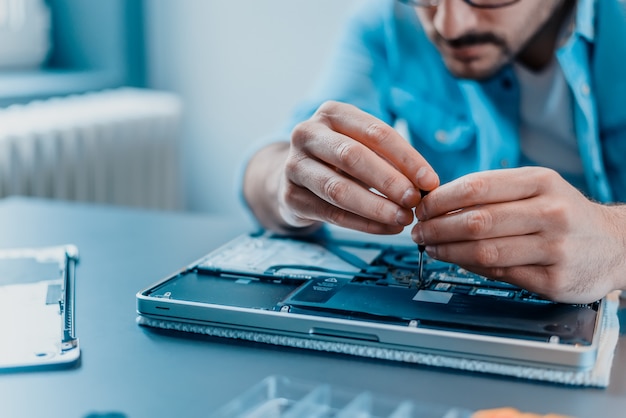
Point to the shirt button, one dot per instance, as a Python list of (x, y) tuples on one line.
[(441, 136), (504, 163), (584, 89)]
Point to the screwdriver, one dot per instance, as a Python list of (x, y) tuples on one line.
[(421, 248)]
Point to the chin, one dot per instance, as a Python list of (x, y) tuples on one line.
[(474, 69), (471, 72)]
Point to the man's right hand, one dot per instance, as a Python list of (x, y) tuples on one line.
[(342, 166)]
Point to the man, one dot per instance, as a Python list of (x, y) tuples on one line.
[(482, 86)]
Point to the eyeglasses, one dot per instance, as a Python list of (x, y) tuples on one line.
[(480, 4)]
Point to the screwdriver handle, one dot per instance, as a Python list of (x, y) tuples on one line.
[(421, 248)]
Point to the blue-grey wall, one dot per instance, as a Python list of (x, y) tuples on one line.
[(239, 67), (99, 35), (95, 45)]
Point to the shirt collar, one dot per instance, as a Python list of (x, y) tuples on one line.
[(585, 17)]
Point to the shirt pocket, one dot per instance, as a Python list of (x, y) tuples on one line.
[(440, 127), (442, 134)]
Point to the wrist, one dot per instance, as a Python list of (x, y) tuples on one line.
[(286, 221), (261, 191), (615, 216)]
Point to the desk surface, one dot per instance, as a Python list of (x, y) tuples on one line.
[(130, 371)]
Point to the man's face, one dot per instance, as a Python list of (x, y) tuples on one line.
[(475, 43)]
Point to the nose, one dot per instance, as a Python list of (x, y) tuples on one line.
[(454, 18)]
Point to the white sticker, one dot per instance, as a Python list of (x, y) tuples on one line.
[(432, 296)]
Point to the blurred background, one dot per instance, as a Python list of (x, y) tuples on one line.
[(150, 103)]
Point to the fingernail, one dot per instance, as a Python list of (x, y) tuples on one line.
[(404, 217), (409, 198), (418, 235), (426, 178)]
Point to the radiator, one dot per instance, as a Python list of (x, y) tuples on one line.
[(115, 147)]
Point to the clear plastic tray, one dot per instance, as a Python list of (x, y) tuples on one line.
[(282, 397)]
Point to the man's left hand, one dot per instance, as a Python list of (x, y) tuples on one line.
[(529, 227)]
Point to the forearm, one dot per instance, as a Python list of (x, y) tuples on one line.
[(261, 188)]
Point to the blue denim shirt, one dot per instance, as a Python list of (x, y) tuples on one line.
[(385, 65)]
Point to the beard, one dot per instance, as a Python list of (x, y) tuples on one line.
[(474, 56)]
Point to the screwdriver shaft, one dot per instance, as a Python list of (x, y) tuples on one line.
[(421, 248)]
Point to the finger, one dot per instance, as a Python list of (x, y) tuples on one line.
[(543, 280), (362, 164), (382, 139), (485, 187), (495, 253), (480, 222), (342, 192), (537, 279), (530, 277), (305, 205)]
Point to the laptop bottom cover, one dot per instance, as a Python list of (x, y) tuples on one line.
[(368, 294)]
